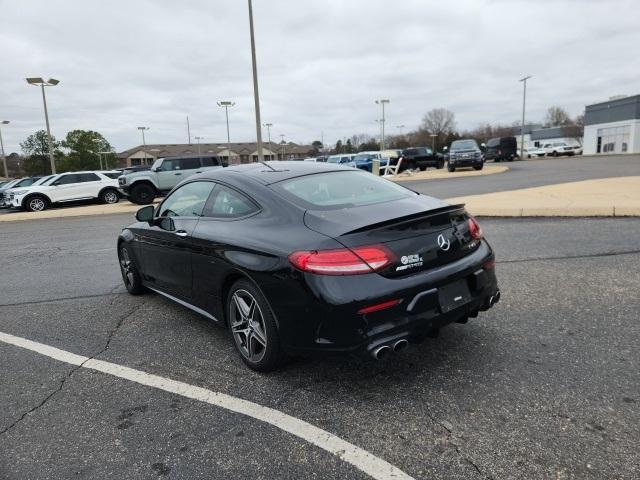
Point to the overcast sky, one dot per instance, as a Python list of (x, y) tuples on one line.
[(321, 63)]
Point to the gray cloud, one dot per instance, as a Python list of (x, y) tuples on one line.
[(321, 63)]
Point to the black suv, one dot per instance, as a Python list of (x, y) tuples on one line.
[(421, 157), (465, 153), (501, 148)]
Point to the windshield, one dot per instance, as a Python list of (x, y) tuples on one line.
[(363, 156), (464, 145), (327, 191), (44, 180), (334, 159), (157, 163)]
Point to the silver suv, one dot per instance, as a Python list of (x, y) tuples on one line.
[(143, 186)]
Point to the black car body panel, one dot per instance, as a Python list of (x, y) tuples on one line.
[(421, 157), (320, 313)]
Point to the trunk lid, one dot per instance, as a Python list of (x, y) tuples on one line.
[(428, 234)]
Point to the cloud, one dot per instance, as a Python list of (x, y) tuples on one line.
[(322, 63)]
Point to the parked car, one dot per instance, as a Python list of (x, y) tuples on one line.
[(558, 148), (465, 153), (341, 159), (531, 152), (577, 149), (364, 160), (310, 258), (501, 148), (5, 189), (133, 168), (420, 157), (66, 187), (142, 187)]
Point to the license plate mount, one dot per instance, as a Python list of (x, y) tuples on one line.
[(453, 295)]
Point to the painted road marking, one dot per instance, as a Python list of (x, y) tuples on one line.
[(370, 464)]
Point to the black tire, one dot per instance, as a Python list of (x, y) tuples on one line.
[(254, 332), (478, 167), (451, 168), (109, 196), (422, 168), (142, 194), (36, 203), (440, 165), (129, 270)]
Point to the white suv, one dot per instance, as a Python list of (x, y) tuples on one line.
[(67, 187)]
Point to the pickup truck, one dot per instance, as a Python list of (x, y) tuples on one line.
[(421, 157)]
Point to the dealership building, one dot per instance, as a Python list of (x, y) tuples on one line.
[(613, 126)]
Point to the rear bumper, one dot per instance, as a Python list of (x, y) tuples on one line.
[(466, 162), (320, 313)]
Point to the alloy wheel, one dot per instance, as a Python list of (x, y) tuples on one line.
[(126, 266), (36, 204), (248, 326), (111, 197)]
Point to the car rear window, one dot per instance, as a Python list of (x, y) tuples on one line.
[(333, 190)]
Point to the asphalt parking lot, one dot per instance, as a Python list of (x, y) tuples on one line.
[(545, 385)]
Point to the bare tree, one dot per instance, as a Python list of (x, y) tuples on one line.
[(575, 129), (439, 121), (557, 117)]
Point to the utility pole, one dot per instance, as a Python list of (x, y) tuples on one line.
[(226, 104), (256, 94), (52, 82), (4, 159), (524, 101), (282, 144), (188, 130), (144, 143), (382, 103), (198, 140)]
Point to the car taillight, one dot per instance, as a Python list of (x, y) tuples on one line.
[(474, 229), (343, 261)]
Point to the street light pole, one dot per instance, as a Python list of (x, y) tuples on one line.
[(382, 102), (106, 164), (256, 94), (524, 100), (283, 144), (4, 159), (433, 141), (144, 143), (198, 140), (400, 127), (269, 125), (188, 130), (226, 104), (52, 82)]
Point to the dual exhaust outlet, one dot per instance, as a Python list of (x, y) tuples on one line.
[(383, 350)]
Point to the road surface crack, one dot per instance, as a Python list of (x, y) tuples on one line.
[(451, 439), (571, 257), (73, 370)]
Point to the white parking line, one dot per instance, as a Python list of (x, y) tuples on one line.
[(370, 464)]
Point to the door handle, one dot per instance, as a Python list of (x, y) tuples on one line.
[(177, 173), (182, 234)]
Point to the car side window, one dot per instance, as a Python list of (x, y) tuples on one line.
[(187, 201), (189, 163), (228, 203), (210, 162), (67, 179), (87, 177)]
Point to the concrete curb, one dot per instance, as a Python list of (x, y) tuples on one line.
[(81, 211), (622, 211), (444, 174)]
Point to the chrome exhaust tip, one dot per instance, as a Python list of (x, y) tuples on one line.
[(400, 345), (381, 352)]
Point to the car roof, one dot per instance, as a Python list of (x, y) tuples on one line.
[(273, 171)]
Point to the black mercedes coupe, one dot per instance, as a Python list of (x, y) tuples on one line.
[(298, 258)]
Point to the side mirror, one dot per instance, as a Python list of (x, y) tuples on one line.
[(145, 214)]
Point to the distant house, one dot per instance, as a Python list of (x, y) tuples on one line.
[(240, 152), (613, 126)]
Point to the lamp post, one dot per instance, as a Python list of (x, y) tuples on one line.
[(433, 141), (106, 165), (256, 94), (524, 100), (144, 143), (226, 104), (283, 145), (400, 127), (188, 130), (269, 125), (40, 82), (4, 159), (382, 103), (198, 140)]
